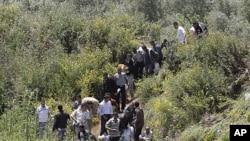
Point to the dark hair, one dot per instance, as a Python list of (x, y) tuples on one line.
[(78, 96), (137, 104), (175, 23), (105, 73), (83, 105), (60, 107)]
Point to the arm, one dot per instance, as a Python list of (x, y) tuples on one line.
[(73, 116), (55, 124)]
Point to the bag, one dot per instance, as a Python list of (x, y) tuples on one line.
[(203, 27)]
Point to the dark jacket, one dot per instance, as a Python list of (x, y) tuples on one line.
[(60, 120), (130, 65), (109, 85)]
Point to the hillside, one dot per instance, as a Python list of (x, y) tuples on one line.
[(55, 49)]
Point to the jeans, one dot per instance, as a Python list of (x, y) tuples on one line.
[(123, 95), (42, 126), (137, 133), (103, 123), (131, 85), (61, 132)]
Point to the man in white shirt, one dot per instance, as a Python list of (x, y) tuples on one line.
[(105, 111), (80, 117), (181, 33), (146, 135), (43, 113)]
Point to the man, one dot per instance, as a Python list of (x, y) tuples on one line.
[(157, 47), (109, 85), (139, 120), (77, 103), (138, 61), (105, 112), (43, 114), (147, 61), (61, 122), (146, 135), (121, 80), (181, 33), (80, 117), (112, 126), (130, 74), (126, 119)]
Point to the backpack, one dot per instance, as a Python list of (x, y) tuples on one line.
[(203, 27)]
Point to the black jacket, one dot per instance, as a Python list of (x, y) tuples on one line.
[(61, 120)]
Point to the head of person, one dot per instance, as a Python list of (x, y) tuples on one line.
[(106, 97), (43, 103), (81, 128), (147, 129), (115, 115), (84, 107), (129, 56), (195, 24), (105, 75), (90, 104), (127, 113), (78, 98), (60, 107), (144, 47), (176, 25), (136, 104), (134, 50), (119, 69), (152, 42)]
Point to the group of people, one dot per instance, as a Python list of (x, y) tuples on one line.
[(197, 30), (127, 127)]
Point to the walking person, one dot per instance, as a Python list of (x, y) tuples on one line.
[(109, 85), (80, 117), (112, 126), (181, 33), (77, 103), (42, 113), (121, 80), (130, 74), (105, 112), (60, 122), (138, 61), (147, 61), (139, 120)]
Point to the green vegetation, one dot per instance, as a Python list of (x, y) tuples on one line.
[(57, 48)]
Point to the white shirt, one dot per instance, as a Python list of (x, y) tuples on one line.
[(128, 134), (192, 31), (43, 113), (105, 108), (145, 135), (181, 35), (80, 116)]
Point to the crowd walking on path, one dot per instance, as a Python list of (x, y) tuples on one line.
[(119, 122)]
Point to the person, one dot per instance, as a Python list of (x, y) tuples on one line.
[(80, 117), (126, 120), (198, 29), (147, 61), (61, 122), (181, 33), (146, 135), (157, 47), (82, 133), (109, 85), (128, 133), (121, 80), (139, 120), (138, 60), (112, 126), (77, 103), (154, 61), (105, 112), (90, 107), (43, 114), (130, 74)]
